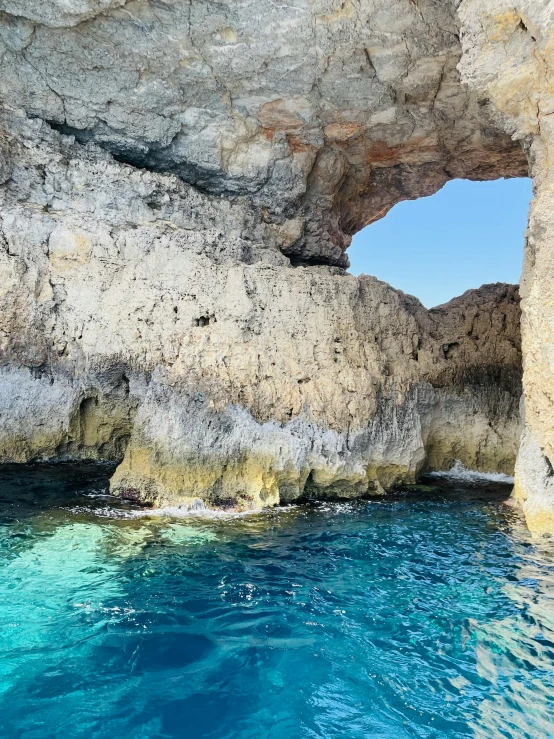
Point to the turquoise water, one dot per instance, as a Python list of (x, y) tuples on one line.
[(423, 615)]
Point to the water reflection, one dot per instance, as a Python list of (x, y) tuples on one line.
[(428, 615), (516, 654)]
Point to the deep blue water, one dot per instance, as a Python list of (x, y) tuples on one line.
[(424, 615)]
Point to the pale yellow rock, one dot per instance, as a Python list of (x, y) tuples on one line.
[(509, 57), (68, 250)]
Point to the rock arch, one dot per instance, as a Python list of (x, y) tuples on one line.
[(189, 156)]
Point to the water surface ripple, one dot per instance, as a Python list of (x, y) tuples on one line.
[(427, 615)]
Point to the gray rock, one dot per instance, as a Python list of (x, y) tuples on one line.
[(325, 111)]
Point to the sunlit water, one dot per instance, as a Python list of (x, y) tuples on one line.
[(429, 614)]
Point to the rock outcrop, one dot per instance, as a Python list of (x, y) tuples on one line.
[(509, 62), (180, 181), (140, 316)]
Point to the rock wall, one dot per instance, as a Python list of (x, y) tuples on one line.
[(141, 316), (180, 181), (509, 61)]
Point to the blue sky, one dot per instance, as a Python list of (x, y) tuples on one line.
[(467, 234)]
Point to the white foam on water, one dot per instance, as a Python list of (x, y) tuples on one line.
[(460, 473), (168, 512), (184, 512), (101, 512)]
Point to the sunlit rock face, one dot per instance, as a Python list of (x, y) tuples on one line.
[(324, 112), (142, 316), (509, 61), (180, 181)]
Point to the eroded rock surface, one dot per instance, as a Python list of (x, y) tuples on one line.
[(140, 315), (509, 61), (324, 112), (179, 183)]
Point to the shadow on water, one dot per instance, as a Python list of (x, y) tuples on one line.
[(29, 488), (426, 614)]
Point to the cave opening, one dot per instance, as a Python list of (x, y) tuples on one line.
[(437, 247)]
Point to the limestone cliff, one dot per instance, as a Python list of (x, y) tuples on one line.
[(324, 112), (509, 62), (180, 182), (141, 316)]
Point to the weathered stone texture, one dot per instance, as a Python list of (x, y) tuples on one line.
[(325, 112), (180, 180), (140, 314), (509, 60)]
